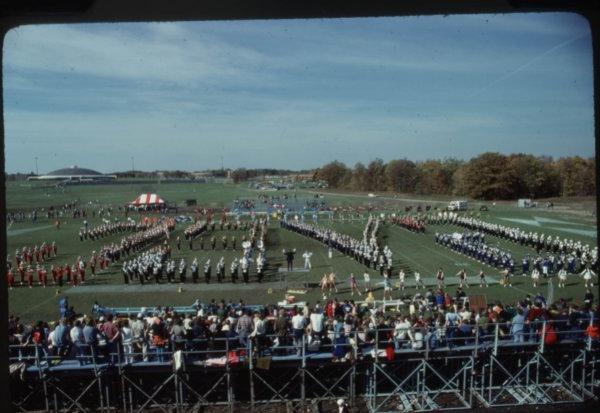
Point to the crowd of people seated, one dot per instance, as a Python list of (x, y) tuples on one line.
[(343, 329)]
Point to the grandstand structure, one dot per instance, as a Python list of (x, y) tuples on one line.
[(489, 371), (74, 174)]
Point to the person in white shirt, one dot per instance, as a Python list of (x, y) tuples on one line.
[(401, 277), (306, 256), (402, 332), (535, 277), (316, 322), (418, 282), (298, 325), (465, 314), (562, 278), (587, 276), (127, 337), (417, 340), (367, 278), (260, 329)]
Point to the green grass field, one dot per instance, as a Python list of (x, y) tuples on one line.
[(411, 251)]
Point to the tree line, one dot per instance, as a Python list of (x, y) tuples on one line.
[(490, 175)]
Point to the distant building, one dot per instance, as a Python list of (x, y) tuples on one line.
[(74, 174)]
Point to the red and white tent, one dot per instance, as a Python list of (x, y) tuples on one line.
[(147, 199)]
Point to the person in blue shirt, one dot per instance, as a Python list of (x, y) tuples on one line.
[(340, 349), (517, 326), (63, 305), (61, 337), (90, 338)]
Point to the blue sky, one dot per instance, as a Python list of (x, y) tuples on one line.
[(296, 93)]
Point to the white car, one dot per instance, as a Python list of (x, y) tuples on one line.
[(371, 195)]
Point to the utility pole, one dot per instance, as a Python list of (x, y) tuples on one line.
[(132, 166), (36, 167)]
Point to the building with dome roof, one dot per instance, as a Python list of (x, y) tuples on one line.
[(74, 174)]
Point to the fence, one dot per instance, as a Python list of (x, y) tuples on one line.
[(408, 372)]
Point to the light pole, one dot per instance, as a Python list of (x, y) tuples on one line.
[(36, 167), (132, 166)]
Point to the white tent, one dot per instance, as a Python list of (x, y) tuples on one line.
[(147, 200)]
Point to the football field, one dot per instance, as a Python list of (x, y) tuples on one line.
[(410, 251)]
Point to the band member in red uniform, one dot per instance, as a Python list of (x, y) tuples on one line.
[(68, 273), (22, 273), (59, 275), (93, 261), (38, 269), (18, 258), (29, 274), (10, 278), (73, 275), (81, 269), (43, 277)]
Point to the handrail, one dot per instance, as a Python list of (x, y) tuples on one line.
[(478, 340)]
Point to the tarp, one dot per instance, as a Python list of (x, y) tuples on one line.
[(147, 199)]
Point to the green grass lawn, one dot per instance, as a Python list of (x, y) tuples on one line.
[(411, 251)]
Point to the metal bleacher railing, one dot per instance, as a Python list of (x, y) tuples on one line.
[(413, 370)]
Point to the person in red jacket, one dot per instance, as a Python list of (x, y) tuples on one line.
[(593, 332), (548, 333)]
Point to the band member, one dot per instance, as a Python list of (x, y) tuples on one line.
[(440, 278), (220, 269), (10, 278), (588, 275), (353, 285), (207, 271), (462, 278), (324, 284), (387, 287), (367, 278), (29, 275), (332, 282), (535, 277), (418, 281), (234, 270), (182, 271), (60, 275), (195, 270), (562, 278), (401, 279), (307, 263), (482, 280)]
